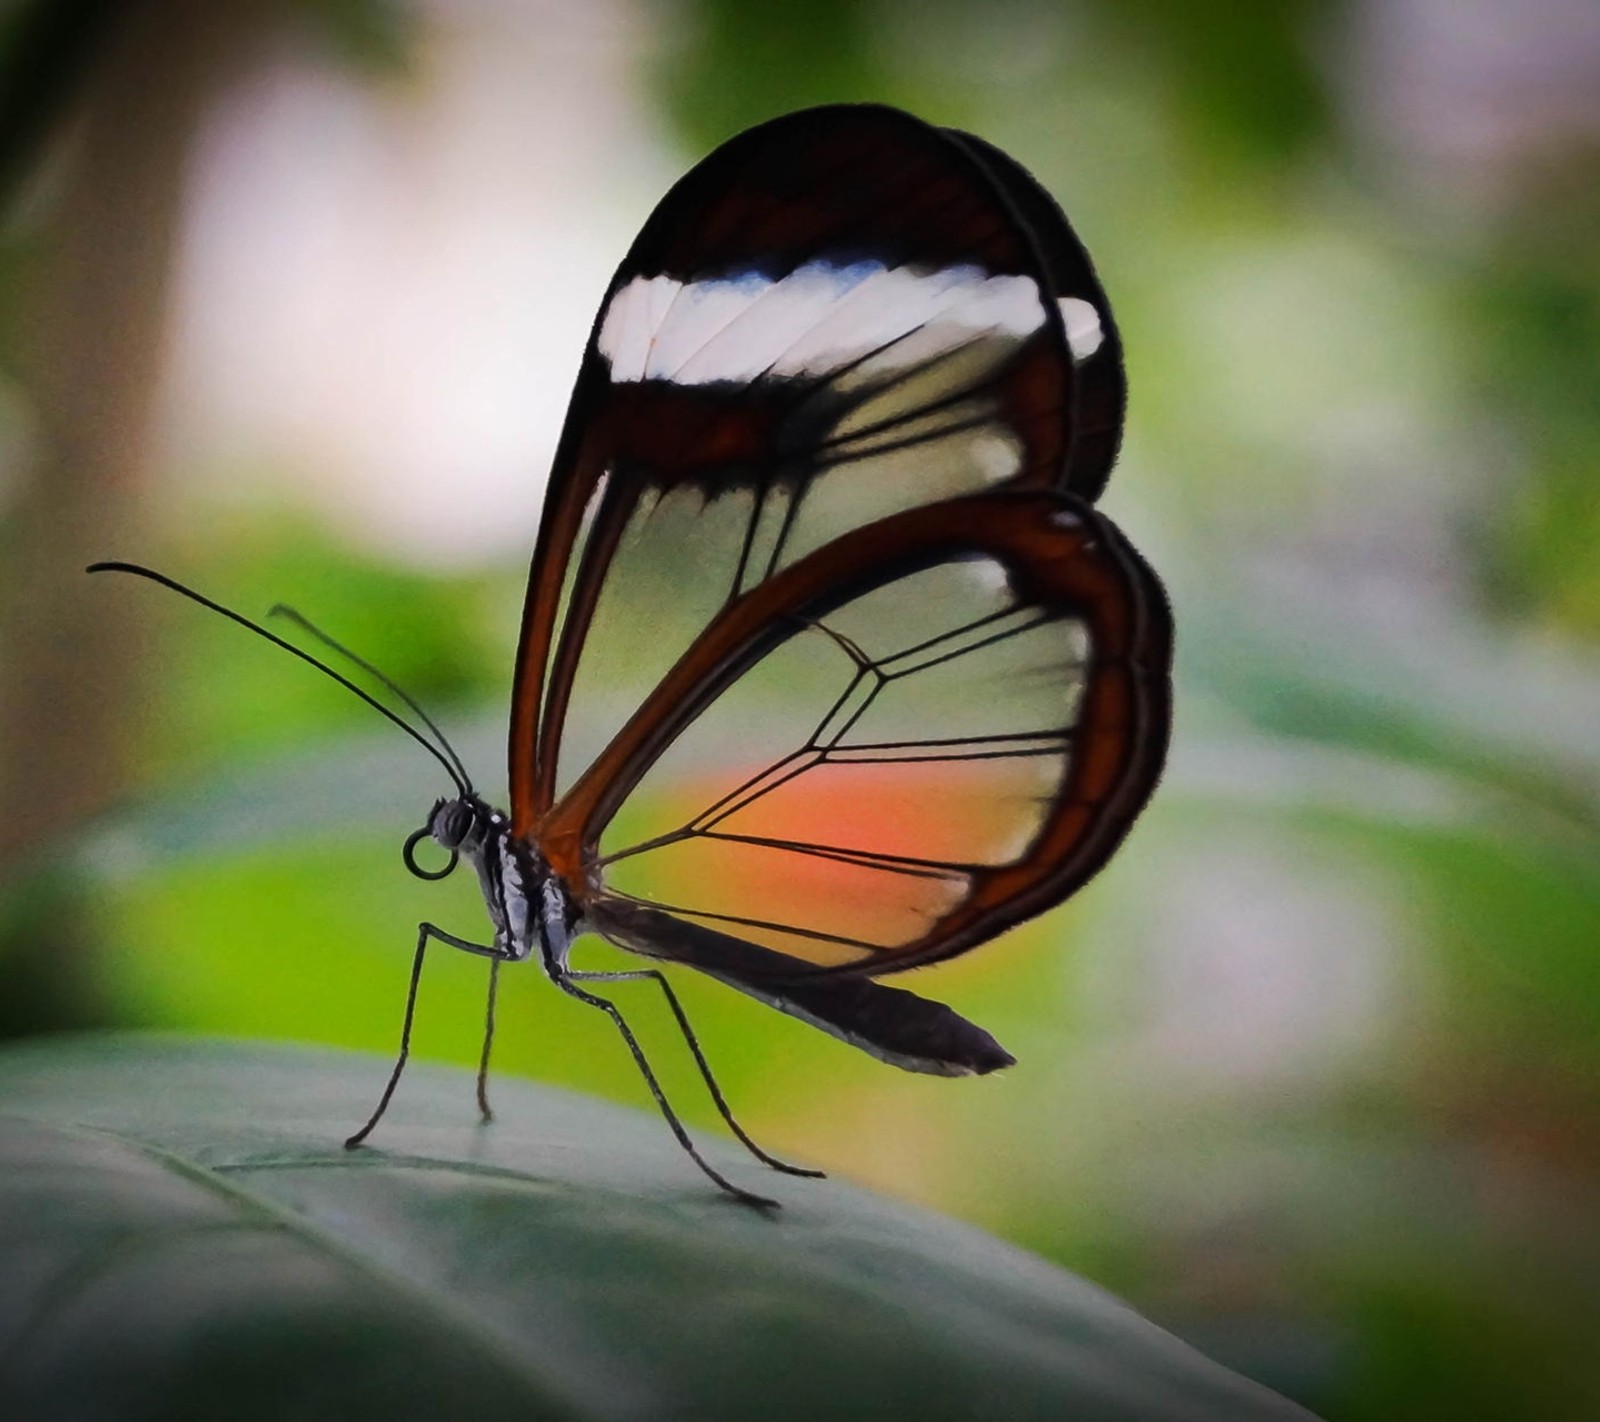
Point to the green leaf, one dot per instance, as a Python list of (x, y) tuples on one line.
[(182, 1235)]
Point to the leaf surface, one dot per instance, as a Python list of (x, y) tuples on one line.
[(182, 1234)]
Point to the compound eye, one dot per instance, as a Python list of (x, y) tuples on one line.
[(455, 826), (449, 823)]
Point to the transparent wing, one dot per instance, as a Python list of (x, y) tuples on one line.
[(837, 317), (900, 744)]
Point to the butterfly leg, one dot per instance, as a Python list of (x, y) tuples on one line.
[(659, 978), (488, 1041), (562, 978), (425, 931)]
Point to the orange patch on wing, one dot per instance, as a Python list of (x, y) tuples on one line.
[(977, 812)]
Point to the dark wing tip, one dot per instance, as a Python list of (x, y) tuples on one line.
[(894, 1025), (891, 1024), (994, 1058)]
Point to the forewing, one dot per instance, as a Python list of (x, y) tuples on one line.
[(1100, 383), (839, 316), (904, 742)]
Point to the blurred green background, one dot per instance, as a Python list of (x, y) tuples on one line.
[(291, 297)]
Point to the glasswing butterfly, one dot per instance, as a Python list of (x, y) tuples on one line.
[(828, 667)]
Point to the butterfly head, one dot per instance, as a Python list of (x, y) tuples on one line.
[(458, 825)]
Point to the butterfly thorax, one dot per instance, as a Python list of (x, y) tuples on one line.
[(527, 904)]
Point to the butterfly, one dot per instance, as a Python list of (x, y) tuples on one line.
[(828, 668)]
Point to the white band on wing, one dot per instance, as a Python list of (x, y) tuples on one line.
[(1084, 330), (817, 319)]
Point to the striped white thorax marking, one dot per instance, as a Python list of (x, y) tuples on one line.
[(511, 877), (513, 898), (529, 907), (820, 317)]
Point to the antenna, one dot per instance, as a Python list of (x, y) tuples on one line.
[(307, 625), (458, 775)]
